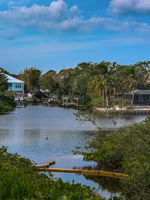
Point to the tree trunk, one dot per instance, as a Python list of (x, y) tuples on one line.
[(132, 99), (106, 97)]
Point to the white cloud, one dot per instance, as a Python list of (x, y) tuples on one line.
[(129, 6), (59, 17), (56, 16), (41, 17)]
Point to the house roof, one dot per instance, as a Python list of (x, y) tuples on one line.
[(44, 91), (146, 92), (12, 79)]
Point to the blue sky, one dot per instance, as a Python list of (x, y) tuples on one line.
[(56, 34)]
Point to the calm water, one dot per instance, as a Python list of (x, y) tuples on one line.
[(25, 130)]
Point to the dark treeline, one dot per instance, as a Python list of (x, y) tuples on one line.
[(97, 84), (6, 97)]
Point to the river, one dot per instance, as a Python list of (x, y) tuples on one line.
[(44, 134)]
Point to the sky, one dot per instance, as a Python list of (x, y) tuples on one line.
[(57, 34)]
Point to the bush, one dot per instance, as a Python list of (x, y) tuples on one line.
[(20, 181), (126, 150), (6, 102)]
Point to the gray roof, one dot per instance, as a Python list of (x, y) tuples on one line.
[(140, 92)]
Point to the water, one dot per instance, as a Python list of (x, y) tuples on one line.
[(24, 131)]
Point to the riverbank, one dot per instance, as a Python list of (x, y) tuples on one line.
[(6, 106), (19, 180), (132, 110), (44, 133)]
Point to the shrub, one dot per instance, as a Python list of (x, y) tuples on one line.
[(126, 150), (6, 102), (20, 181)]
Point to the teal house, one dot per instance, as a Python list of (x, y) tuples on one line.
[(15, 85)]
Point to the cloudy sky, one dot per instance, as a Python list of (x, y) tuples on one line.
[(55, 34)]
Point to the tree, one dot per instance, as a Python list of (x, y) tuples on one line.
[(31, 77), (3, 83), (104, 82), (48, 81), (2, 70), (64, 80), (125, 150)]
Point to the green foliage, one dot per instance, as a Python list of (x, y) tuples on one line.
[(39, 95), (120, 102), (3, 83), (5, 107), (6, 103), (105, 80), (31, 77), (2, 70), (125, 150), (20, 181), (48, 82), (117, 198), (6, 97)]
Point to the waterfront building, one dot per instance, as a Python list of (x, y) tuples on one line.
[(139, 97), (15, 85)]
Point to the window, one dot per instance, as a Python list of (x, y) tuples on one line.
[(10, 85), (18, 85)]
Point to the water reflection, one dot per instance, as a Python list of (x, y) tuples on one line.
[(45, 133), (114, 186)]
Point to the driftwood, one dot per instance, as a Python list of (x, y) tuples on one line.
[(45, 168), (87, 172), (46, 165)]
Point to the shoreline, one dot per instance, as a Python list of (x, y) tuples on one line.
[(137, 110)]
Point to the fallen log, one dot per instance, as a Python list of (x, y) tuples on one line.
[(86, 172), (46, 165)]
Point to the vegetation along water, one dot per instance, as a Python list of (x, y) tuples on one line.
[(6, 97), (43, 133), (25, 131)]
